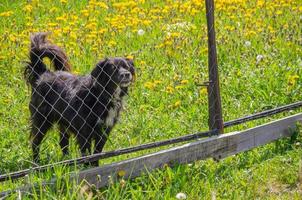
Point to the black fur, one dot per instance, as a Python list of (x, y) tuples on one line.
[(81, 105)]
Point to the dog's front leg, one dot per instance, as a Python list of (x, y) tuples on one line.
[(100, 138)]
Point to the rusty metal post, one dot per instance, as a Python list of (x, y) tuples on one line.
[(215, 111)]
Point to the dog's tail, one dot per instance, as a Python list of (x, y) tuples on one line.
[(41, 48)]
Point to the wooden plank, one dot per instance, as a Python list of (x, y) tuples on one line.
[(217, 147)]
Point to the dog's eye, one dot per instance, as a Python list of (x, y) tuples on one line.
[(110, 65), (130, 62), (126, 67)]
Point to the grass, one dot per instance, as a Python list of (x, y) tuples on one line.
[(260, 59)]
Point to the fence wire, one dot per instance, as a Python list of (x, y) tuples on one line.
[(87, 106), (83, 108)]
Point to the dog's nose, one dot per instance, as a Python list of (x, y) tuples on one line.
[(126, 76)]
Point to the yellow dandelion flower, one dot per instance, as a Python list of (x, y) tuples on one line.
[(260, 3), (292, 79), (101, 5), (175, 34), (149, 85), (85, 12), (229, 28), (94, 49), (204, 50), (6, 14), (27, 8), (203, 91), (65, 30), (29, 24), (102, 30), (73, 35), (279, 12), (73, 44), (121, 173), (130, 57), (177, 103), (176, 77), (51, 24), (12, 38), (112, 43), (238, 73), (91, 25), (92, 35), (169, 89), (168, 43), (159, 46), (74, 17), (53, 9), (61, 18), (184, 82), (147, 22)]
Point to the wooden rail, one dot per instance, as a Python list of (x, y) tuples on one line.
[(217, 147)]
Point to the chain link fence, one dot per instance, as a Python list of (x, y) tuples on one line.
[(76, 106), (87, 106), (152, 86)]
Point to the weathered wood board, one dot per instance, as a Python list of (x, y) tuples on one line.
[(217, 147)]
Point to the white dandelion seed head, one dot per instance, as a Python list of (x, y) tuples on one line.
[(247, 43), (140, 32), (181, 196), (259, 58)]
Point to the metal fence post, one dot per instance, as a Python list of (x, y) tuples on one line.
[(215, 111)]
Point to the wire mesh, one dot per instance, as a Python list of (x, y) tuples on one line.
[(87, 106), (70, 101), (63, 97), (67, 111)]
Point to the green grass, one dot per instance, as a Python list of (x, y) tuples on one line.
[(165, 101)]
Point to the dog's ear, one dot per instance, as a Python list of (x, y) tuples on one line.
[(99, 68), (131, 65), (130, 61)]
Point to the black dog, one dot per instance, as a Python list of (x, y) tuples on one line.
[(87, 106)]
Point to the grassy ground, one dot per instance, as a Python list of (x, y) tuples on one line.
[(260, 60)]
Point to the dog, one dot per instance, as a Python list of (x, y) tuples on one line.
[(87, 106)]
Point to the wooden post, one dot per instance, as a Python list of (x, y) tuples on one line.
[(215, 112)]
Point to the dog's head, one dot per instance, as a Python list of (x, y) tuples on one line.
[(114, 72)]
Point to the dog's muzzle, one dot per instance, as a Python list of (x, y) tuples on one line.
[(126, 79)]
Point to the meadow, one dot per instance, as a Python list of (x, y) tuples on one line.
[(259, 46)]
